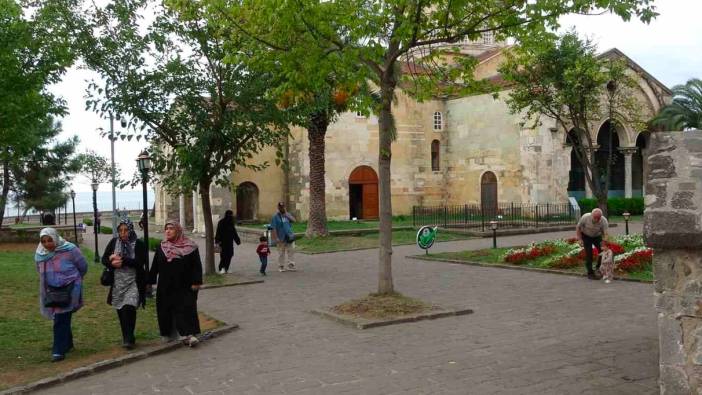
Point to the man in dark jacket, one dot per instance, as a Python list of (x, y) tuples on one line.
[(225, 237)]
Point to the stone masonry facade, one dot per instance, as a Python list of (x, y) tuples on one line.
[(673, 227)]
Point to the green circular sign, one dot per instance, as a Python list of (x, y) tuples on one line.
[(426, 237)]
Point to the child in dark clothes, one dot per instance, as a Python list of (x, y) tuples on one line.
[(262, 250)]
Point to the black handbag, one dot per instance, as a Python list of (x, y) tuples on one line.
[(57, 296), (107, 278)]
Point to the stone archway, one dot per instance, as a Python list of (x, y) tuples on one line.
[(363, 193), (488, 194), (617, 175), (246, 201)]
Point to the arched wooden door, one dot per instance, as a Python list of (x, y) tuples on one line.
[(363, 193), (246, 201), (488, 194)]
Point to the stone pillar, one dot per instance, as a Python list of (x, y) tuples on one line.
[(195, 211), (181, 209), (673, 227), (628, 152)]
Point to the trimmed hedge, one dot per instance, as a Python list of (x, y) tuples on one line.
[(615, 205)]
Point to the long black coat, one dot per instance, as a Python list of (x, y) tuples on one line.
[(226, 234), (140, 263)]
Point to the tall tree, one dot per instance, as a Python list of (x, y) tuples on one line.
[(314, 85), (685, 112), (565, 80), (35, 50), (379, 35), (43, 176), (203, 116)]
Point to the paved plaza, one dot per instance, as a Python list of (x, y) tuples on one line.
[(530, 333)]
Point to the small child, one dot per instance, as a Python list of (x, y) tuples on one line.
[(607, 267), (262, 250)]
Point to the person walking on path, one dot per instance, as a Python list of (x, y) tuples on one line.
[(178, 270), (283, 237), (263, 251), (225, 237), (125, 256), (61, 268), (591, 229)]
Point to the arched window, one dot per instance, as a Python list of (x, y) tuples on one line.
[(435, 145), (438, 121)]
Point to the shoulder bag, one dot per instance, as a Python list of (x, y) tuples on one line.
[(57, 296)]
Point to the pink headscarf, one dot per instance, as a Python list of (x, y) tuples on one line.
[(179, 247)]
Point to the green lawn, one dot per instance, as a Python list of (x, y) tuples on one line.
[(301, 227), (369, 240), (26, 336), (494, 256)]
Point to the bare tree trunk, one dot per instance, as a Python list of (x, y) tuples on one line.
[(386, 131), (5, 189), (316, 131), (209, 228)]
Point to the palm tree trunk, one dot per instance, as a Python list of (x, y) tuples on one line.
[(316, 131), (386, 131), (209, 228)]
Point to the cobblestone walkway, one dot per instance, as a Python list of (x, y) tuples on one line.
[(531, 333)]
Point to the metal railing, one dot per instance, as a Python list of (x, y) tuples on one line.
[(508, 215)]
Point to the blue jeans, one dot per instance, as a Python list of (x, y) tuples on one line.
[(264, 263), (63, 336)]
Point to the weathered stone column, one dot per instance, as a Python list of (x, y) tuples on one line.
[(181, 209), (673, 227), (195, 211), (628, 153)]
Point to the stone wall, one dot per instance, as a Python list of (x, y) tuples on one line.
[(31, 235), (673, 227)]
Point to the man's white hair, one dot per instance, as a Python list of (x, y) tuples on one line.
[(596, 211)]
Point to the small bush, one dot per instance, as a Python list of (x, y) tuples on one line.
[(154, 243), (106, 230), (88, 221), (615, 205)]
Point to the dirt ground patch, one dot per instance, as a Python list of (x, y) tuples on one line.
[(18, 247), (376, 306)]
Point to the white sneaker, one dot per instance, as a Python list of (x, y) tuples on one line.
[(291, 267), (220, 271), (192, 341), (281, 268), (607, 281)]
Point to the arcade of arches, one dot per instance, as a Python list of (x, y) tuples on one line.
[(627, 172)]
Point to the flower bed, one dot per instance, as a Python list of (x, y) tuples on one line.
[(630, 254)]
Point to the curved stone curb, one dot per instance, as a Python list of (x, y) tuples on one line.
[(100, 366), (524, 268), (361, 323), (246, 282)]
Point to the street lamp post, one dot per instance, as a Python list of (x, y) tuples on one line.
[(75, 227), (96, 229), (144, 164), (626, 222), (493, 226)]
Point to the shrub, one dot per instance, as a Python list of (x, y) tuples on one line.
[(615, 205), (533, 251), (88, 221), (636, 260), (106, 230), (154, 243)]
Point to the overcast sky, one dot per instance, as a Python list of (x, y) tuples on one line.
[(670, 49)]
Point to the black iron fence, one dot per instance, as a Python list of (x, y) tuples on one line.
[(508, 215)]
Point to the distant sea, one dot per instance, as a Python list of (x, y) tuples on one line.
[(126, 200)]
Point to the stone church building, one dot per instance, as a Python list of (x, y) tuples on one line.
[(448, 151)]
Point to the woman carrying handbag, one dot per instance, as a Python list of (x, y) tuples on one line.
[(125, 273), (61, 268)]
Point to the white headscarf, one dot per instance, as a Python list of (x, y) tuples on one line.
[(42, 254)]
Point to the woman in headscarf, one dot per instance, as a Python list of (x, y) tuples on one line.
[(226, 236), (179, 270), (61, 268), (125, 256)]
